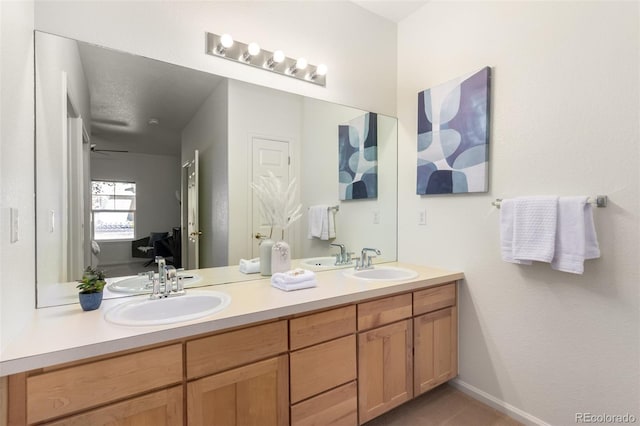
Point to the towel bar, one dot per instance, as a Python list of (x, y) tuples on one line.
[(598, 201)]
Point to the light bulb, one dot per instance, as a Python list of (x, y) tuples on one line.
[(278, 56), (321, 70), (226, 40), (253, 49), (301, 63)]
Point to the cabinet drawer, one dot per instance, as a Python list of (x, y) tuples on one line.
[(60, 392), (384, 311), (433, 299), (213, 354), (322, 367), (157, 408), (338, 407), (321, 327)]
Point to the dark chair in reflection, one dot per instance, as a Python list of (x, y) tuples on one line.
[(158, 244)]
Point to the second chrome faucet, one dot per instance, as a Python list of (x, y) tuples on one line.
[(365, 258)]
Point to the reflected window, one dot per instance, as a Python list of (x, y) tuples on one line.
[(113, 210)]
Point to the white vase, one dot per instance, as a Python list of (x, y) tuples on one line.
[(280, 257), (265, 256)]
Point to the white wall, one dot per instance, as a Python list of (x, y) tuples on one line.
[(267, 113), (208, 133), (358, 47), (17, 263), (59, 76), (355, 227), (157, 178), (564, 121)]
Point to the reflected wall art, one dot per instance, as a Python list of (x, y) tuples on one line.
[(453, 136), (358, 158)]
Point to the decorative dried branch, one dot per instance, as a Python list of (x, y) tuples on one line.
[(276, 203)]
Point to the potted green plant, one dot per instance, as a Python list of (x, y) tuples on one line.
[(91, 286)]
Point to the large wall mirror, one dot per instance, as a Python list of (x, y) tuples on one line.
[(137, 158)]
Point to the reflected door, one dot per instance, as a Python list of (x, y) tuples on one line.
[(268, 155), (190, 221)]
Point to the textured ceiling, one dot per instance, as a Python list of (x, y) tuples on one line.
[(127, 90)]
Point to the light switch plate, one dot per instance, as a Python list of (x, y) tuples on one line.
[(15, 225), (422, 216)]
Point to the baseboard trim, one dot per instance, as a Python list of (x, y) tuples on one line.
[(492, 401)]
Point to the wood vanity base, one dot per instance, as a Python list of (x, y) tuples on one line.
[(340, 366)]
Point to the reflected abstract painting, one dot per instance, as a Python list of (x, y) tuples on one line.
[(358, 158), (453, 136)]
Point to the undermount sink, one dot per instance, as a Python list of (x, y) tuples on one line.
[(322, 262), (382, 273), (141, 284), (169, 310)]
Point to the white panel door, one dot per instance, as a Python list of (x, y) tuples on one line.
[(268, 155)]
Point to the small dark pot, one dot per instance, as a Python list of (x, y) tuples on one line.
[(90, 301)]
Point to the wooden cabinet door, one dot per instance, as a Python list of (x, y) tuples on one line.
[(435, 349), (384, 369), (162, 408), (256, 394)]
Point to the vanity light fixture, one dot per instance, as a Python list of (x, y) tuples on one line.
[(224, 46)]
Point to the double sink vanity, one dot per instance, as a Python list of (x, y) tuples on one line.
[(343, 352)]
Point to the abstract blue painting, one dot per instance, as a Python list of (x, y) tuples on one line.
[(358, 158), (453, 136)]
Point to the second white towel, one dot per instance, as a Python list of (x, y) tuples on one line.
[(576, 238)]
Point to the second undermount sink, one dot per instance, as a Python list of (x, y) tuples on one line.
[(382, 273), (142, 284), (148, 312)]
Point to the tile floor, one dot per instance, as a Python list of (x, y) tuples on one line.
[(443, 406)]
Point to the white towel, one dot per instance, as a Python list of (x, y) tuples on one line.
[(317, 215), (321, 223), (295, 279), (507, 208), (576, 238), (251, 266), (534, 228)]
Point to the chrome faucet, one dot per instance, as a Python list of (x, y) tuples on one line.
[(167, 284), (343, 258), (365, 259)]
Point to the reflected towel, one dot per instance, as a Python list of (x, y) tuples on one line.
[(576, 238), (251, 266), (534, 228), (321, 223)]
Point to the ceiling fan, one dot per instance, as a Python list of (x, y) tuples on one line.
[(94, 148)]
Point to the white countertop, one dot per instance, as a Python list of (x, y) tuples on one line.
[(66, 333)]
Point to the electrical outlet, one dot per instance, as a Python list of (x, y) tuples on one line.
[(422, 216), (376, 217)]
